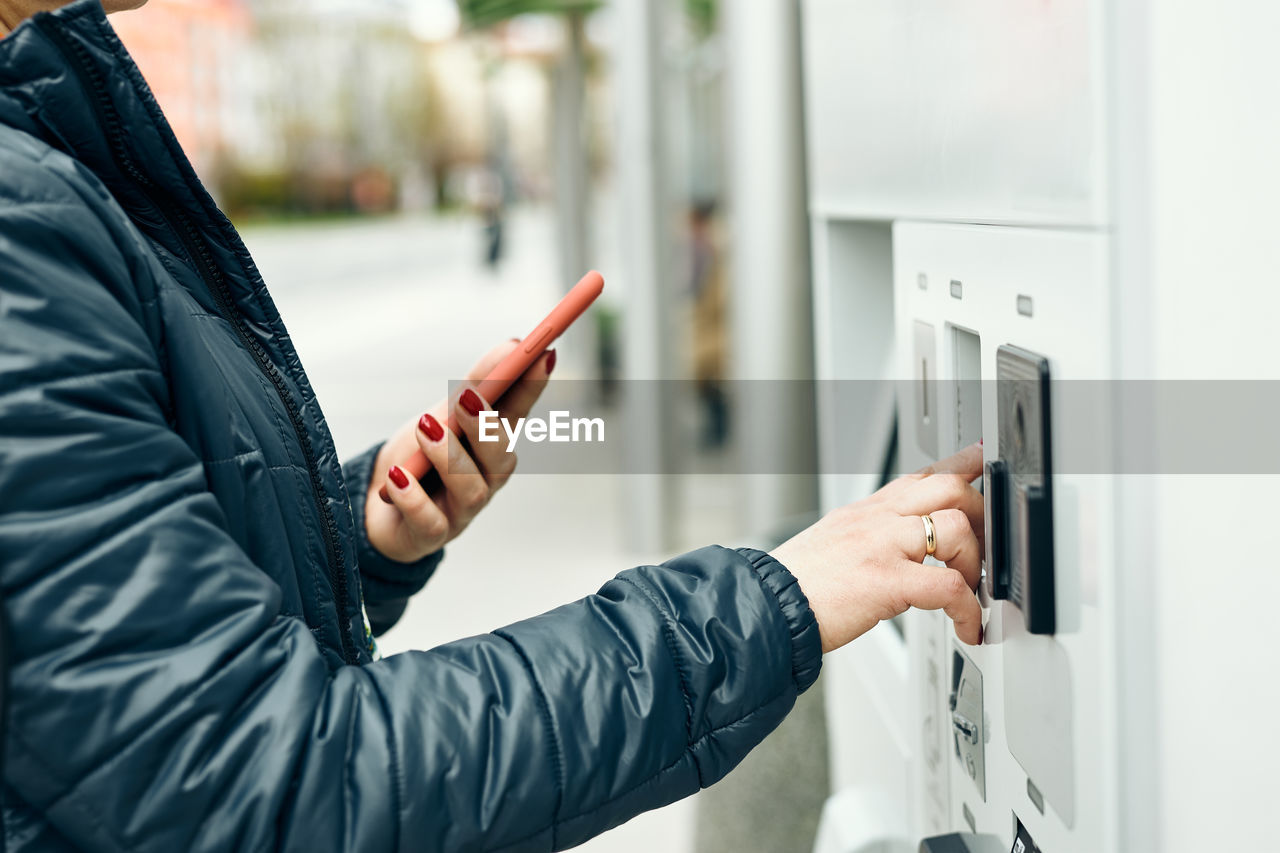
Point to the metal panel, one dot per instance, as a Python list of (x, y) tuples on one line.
[(983, 111)]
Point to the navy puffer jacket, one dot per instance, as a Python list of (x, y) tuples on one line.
[(183, 576)]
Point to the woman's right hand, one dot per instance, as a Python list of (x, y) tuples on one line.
[(862, 563)]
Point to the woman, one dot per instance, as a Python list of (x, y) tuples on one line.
[(184, 572)]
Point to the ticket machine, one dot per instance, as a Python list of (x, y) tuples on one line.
[(998, 194)]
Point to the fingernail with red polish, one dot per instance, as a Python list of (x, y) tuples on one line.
[(431, 428), (471, 402), (398, 477), (551, 361)]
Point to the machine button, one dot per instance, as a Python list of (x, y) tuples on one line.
[(967, 719), (964, 727), (995, 486)]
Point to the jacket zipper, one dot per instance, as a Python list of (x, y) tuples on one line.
[(198, 251)]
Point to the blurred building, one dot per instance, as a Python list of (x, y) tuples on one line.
[(327, 105), (198, 57), (346, 78), (316, 105)]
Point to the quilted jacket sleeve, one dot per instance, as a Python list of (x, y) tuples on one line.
[(388, 584), (160, 700)]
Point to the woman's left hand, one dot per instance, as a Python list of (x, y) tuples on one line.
[(465, 474)]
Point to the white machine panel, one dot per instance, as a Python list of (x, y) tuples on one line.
[(983, 111), (1061, 191), (1020, 721)]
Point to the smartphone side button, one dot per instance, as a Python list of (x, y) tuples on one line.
[(538, 338)]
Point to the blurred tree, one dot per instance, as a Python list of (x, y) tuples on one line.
[(569, 129), (486, 13), (702, 15)]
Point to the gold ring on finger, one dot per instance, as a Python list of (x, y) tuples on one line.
[(930, 536)]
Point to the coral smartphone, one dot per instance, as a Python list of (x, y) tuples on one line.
[(511, 368)]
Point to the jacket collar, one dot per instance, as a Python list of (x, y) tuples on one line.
[(66, 79)]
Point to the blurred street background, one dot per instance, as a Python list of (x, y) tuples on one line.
[(419, 180)]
